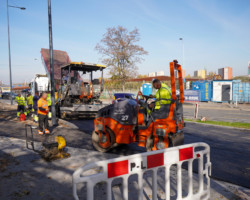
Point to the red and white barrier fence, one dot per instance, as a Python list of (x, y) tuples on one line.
[(124, 167)]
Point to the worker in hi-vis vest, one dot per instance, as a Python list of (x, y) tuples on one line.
[(29, 100), (35, 100), (49, 104), (163, 98), (43, 110), (20, 104)]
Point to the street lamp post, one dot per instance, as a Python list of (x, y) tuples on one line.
[(181, 39), (52, 80), (22, 8)]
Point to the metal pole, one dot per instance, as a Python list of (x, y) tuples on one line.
[(11, 99), (182, 52), (52, 80)]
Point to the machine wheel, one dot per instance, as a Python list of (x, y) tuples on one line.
[(95, 141), (150, 143)]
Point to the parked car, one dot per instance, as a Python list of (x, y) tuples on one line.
[(6, 95), (123, 96)]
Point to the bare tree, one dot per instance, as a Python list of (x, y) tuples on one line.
[(121, 53)]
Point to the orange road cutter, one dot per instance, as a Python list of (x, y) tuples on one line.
[(130, 121)]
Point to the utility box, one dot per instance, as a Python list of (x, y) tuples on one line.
[(241, 92), (205, 88), (222, 91), (147, 89)]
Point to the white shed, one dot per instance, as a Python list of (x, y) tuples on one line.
[(222, 90)]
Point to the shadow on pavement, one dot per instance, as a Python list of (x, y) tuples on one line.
[(25, 178)]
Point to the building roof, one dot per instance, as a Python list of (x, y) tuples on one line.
[(85, 67), (60, 58), (20, 88)]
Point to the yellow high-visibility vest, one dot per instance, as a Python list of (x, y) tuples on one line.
[(163, 93), (20, 100), (49, 100), (29, 100)]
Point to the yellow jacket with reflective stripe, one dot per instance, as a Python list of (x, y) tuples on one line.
[(163, 93), (43, 104), (29, 100), (49, 100), (20, 101)]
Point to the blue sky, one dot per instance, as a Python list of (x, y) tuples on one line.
[(216, 33)]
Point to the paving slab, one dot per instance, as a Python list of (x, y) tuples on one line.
[(25, 176)]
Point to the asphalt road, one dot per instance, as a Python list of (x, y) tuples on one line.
[(230, 149), (218, 113)]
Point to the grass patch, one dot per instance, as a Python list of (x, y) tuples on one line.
[(222, 123)]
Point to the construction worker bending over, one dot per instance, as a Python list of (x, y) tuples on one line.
[(20, 104), (43, 110), (35, 100), (163, 99), (29, 100)]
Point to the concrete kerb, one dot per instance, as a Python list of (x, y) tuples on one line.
[(218, 106), (229, 127)]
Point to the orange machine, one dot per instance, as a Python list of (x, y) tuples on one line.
[(130, 121)]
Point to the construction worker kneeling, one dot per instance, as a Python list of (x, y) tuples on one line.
[(43, 110)]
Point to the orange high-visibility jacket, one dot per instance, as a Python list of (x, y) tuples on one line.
[(42, 103)]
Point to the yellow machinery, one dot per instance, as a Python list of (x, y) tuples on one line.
[(53, 147)]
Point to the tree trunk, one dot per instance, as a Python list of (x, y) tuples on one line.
[(123, 87)]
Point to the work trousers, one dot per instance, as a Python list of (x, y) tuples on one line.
[(35, 109), (29, 110), (43, 122), (19, 109), (161, 113)]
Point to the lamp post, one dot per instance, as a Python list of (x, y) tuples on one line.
[(52, 80), (181, 39), (21, 8)]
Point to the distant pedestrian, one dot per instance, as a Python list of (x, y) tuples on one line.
[(35, 100), (20, 105), (43, 110)]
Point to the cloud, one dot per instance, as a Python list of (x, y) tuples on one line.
[(149, 9), (227, 21)]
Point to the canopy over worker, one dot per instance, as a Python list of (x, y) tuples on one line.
[(43, 110), (20, 104), (163, 99), (29, 100)]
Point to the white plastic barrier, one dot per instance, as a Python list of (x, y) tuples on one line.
[(123, 167)]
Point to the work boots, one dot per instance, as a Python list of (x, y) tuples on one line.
[(47, 131), (40, 132)]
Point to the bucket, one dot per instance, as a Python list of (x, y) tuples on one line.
[(22, 117)]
